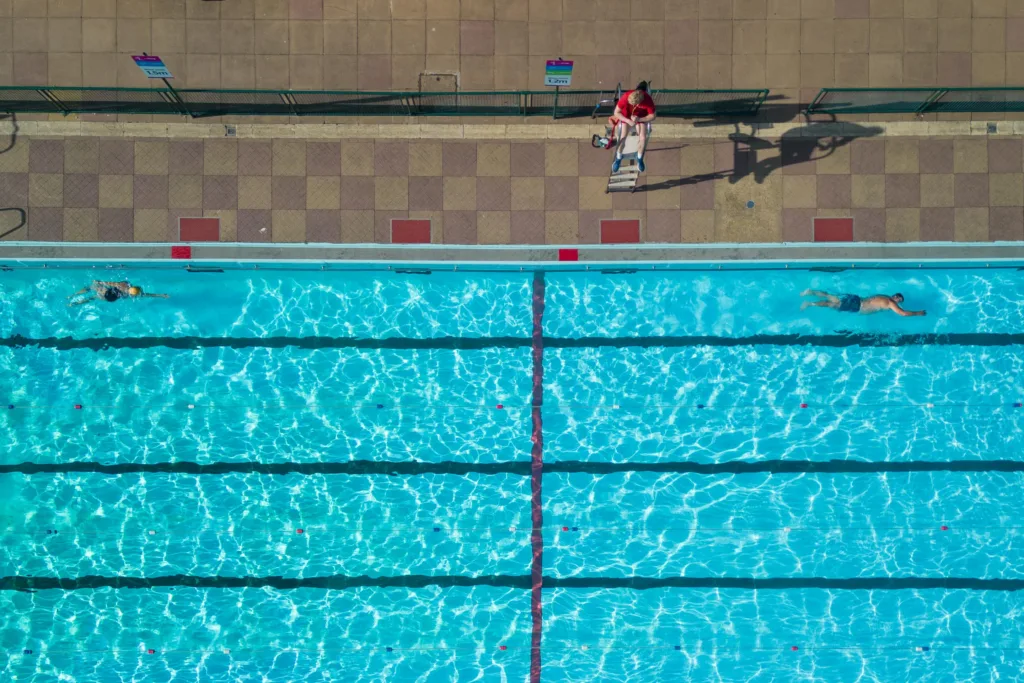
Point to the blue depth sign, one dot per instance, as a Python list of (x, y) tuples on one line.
[(152, 66)]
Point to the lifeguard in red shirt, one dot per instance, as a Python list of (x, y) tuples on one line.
[(634, 110)]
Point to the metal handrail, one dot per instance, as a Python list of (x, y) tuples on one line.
[(874, 100), (198, 103)]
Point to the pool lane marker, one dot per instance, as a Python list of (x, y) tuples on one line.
[(536, 475), (449, 343), (518, 468)]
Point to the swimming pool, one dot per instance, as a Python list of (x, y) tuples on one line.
[(511, 476)]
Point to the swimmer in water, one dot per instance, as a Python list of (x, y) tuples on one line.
[(101, 290), (851, 303)]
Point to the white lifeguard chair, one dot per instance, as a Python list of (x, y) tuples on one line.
[(624, 180)]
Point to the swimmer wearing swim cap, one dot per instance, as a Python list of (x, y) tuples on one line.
[(101, 290)]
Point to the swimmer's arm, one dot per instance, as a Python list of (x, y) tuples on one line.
[(156, 296), (121, 286), (895, 308), (618, 115), (83, 301)]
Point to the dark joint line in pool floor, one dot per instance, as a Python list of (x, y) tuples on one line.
[(523, 582), (520, 468), (842, 340)]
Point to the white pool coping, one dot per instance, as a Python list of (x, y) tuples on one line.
[(452, 257)]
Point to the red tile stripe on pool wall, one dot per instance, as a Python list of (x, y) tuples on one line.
[(536, 473), (833, 229)]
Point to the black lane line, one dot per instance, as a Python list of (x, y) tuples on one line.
[(334, 582), (520, 468), (195, 343), (744, 583), (842, 340), (785, 467), (354, 467), (524, 582)]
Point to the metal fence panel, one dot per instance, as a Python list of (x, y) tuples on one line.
[(350, 103), (88, 100), (467, 103), (708, 102), (978, 100), (916, 100), (24, 100), (235, 102), (865, 101), (203, 103), (565, 103)]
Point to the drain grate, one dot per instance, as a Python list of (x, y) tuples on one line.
[(439, 81)]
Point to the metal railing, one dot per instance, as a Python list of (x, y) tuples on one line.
[(203, 103), (916, 100)]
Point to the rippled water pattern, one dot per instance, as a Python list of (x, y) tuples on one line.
[(645, 444)]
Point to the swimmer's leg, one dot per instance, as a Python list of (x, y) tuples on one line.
[(832, 298), (827, 303)]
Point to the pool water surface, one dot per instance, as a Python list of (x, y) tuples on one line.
[(511, 476)]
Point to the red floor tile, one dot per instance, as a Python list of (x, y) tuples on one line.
[(833, 229), (620, 231), (406, 231), (199, 229)]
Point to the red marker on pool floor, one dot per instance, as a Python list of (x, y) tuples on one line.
[(300, 531), (794, 648), (501, 406), (503, 647), (150, 652), (803, 405), (944, 527), (565, 528), (78, 406)]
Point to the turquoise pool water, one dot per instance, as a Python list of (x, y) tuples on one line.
[(284, 476)]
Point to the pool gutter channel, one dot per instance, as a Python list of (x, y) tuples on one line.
[(207, 257)]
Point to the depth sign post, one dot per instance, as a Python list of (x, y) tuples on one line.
[(557, 73), (154, 67)]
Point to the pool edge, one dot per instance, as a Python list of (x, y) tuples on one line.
[(567, 256)]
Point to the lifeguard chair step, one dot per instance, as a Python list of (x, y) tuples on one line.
[(629, 173)]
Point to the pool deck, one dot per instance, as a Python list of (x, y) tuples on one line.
[(793, 47), (511, 185)]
